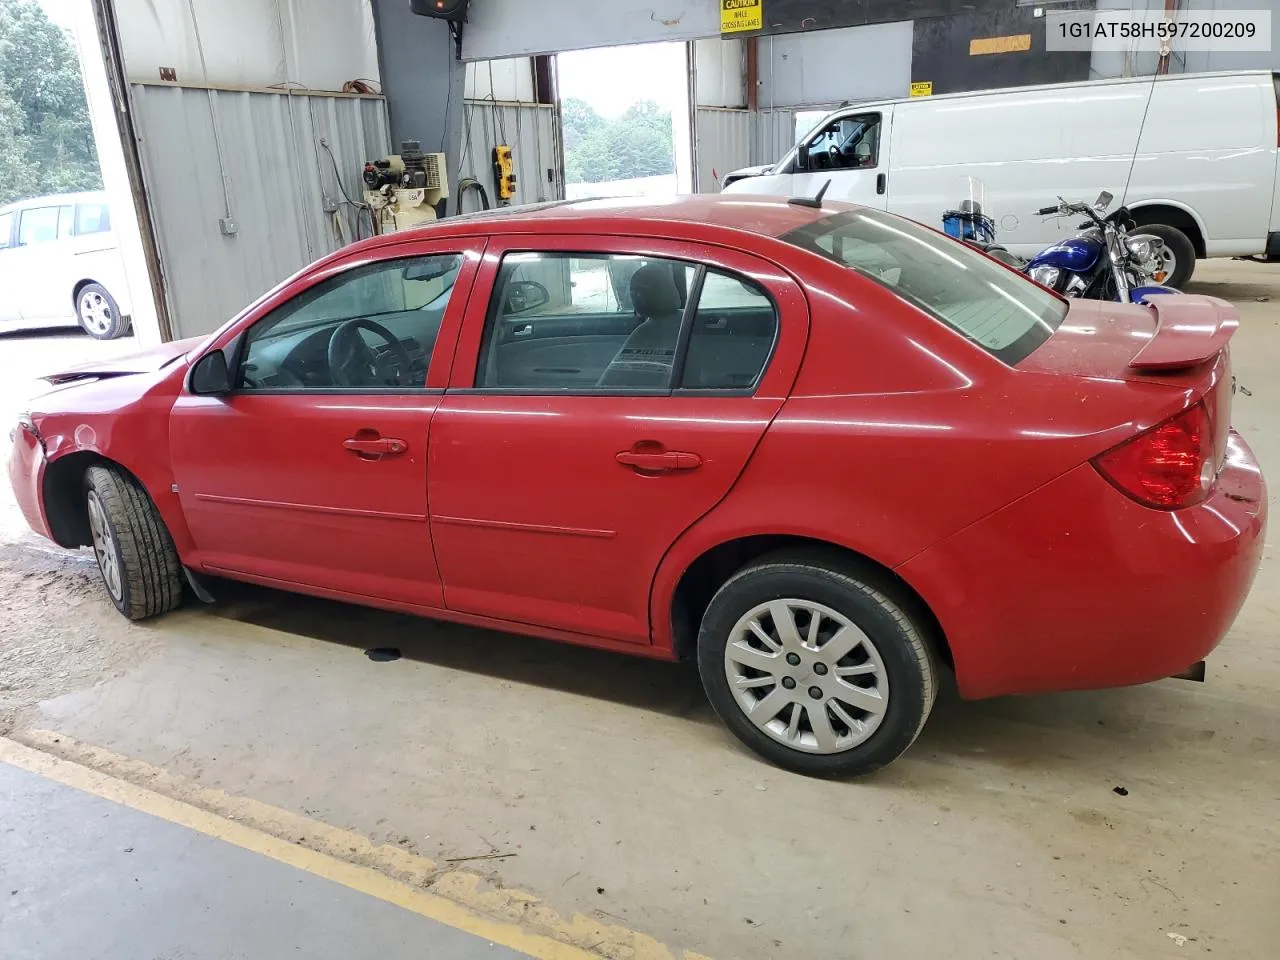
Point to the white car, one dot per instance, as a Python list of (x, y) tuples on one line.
[(60, 265)]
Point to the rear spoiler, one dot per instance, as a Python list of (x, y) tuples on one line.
[(1190, 329)]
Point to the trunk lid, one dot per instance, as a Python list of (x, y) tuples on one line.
[(1175, 341)]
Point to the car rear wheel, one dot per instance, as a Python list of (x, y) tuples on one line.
[(98, 313), (815, 668), (1178, 256), (136, 556)]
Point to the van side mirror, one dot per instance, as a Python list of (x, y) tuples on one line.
[(210, 376), (802, 157)]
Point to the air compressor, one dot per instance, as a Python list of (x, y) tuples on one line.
[(406, 189)]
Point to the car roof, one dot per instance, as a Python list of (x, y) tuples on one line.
[(56, 199), (762, 215)]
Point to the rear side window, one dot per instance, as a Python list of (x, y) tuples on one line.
[(92, 218), (734, 329), (38, 225), (66, 219), (1004, 313), (619, 323), (6, 229)]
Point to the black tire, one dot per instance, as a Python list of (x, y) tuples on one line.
[(909, 663), (1180, 245), (149, 573), (98, 313)]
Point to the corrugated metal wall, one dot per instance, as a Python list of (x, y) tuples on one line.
[(530, 129), (724, 144), (276, 181), (775, 134)]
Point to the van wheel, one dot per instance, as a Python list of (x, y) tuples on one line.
[(136, 556), (98, 314), (815, 668), (1178, 260)]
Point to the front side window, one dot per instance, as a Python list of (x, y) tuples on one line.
[(38, 225), (92, 218), (1004, 313), (6, 229), (372, 327), (569, 321), (849, 143)]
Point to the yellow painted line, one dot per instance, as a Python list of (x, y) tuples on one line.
[(352, 875)]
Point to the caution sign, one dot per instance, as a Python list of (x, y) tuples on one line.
[(922, 88), (739, 15)]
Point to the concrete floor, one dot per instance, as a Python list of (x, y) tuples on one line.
[(621, 800), (81, 876)]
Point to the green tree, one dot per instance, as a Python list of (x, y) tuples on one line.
[(46, 141), (637, 144)]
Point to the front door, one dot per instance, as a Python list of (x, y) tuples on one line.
[(313, 471), (606, 394), (852, 152)]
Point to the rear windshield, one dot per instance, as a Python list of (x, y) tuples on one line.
[(1002, 312)]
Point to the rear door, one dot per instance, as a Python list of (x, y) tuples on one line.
[(574, 446), (9, 311), (38, 263)]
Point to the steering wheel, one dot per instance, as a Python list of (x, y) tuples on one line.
[(353, 364)]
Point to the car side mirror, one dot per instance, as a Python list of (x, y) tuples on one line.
[(802, 157), (210, 377), (525, 295)]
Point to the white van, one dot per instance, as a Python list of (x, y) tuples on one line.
[(1192, 156), (60, 265)]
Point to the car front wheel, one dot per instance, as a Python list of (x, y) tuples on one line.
[(136, 556), (815, 668), (98, 313)]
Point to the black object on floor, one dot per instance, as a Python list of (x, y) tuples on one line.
[(383, 654)]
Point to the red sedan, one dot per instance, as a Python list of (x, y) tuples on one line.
[(822, 451)]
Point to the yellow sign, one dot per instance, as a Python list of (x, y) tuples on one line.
[(1016, 44), (739, 15), (922, 88)]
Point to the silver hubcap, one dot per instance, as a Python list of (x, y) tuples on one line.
[(806, 675), (95, 312), (104, 547), (1166, 265)]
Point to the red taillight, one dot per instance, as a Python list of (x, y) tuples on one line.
[(1169, 466)]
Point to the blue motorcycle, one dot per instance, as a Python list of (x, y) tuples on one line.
[(1102, 262)]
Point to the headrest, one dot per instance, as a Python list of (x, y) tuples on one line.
[(653, 291)]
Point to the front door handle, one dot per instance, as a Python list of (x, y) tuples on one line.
[(881, 183), (375, 448), (667, 461)]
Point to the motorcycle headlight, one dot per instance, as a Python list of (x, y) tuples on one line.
[(1045, 276), (1142, 248)]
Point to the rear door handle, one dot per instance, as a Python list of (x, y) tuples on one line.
[(666, 462), (381, 447)]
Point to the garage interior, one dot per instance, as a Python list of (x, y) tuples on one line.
[(272, 773)]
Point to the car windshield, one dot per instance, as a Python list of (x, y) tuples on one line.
[(1002, 312)]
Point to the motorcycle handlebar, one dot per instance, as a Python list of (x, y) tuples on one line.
[(1045, 211)]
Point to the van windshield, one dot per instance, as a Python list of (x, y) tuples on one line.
[(1004, 313)]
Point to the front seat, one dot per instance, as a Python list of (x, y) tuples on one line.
[(647, 356)]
